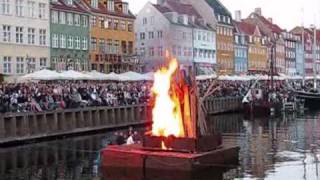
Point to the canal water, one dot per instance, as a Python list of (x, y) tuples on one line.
[(271, 148)]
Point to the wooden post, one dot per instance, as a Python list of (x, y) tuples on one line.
[(25, 125), (2, 127), (13, 127), (81, 120), (55, 122), (113, 117), (72, 121)]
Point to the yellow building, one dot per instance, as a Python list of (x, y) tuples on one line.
[(112, 35), (225, 37), (257, 48)]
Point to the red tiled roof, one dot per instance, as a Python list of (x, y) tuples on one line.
[(103, 10), (245, 28), (61, 5), (181, 8), (162, 9), (318, 36), (274, 28)]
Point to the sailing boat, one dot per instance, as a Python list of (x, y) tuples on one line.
[(312, 98)]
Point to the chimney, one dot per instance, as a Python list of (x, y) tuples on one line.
[(185, 19), (270, 20), (238, 15), (160, 2), (258, 11)]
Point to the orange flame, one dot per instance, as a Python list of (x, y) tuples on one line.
[(166, 113)]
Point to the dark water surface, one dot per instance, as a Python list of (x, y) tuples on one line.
[(281, 148)]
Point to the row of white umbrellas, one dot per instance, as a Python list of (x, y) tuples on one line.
[(48, 75)]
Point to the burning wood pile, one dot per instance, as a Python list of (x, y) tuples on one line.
[(176, 124)]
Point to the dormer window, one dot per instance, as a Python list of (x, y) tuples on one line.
[(125, 9), (111, 5), (94, 3), (70, 2), (229, 20), (219, 18), (224, 19)]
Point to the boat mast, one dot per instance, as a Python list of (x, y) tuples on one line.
[(303, 57), (314, 48)]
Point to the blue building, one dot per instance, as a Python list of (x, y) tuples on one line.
[(299, 58), (240, 51)]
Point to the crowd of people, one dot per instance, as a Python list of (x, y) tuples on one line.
[(38, 97)]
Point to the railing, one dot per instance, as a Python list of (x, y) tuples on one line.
[(223, 105), (25, 126)]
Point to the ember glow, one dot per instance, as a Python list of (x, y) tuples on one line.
[(166, 113)]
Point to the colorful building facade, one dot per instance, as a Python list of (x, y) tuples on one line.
[(274, 37), (240, 50), (24, 37), (225, 37), (111, 35), (69, 34), (180, 32)]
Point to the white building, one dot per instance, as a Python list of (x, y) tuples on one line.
[(176, 29), (24, 36)]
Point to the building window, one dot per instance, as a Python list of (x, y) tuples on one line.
[(116, 47), (70, 42), (111, 5), (62, 17), (69, 18), (54, 17), (70, 2), (55, 40), (31, 9), (94, 3), (20, 65), (145, 21), (77, 42), (19, 35), (130, 27), (84, 21), (142, 36), (31, 35), (160, 34), (19, 8), (6, 33), (151, 51), (160, 51), (93, 44), (125, 8), (93, 21), (109, 41), (5, 7), (43, 63), (31, 64), (77, 19), (6, 64), (42, 37), (42, 11), (116, 24), (101, 22), (123, 25), (151, 35), (84, 44), (62, 41), (102, 45)]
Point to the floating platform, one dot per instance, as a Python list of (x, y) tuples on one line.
[(140, 162)]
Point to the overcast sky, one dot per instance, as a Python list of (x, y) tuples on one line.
[(286, 13)]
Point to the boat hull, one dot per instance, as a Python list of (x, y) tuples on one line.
[(311, 100)]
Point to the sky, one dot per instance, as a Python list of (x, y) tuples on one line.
[(286, 13)]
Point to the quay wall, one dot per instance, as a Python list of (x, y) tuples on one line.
[(19, 127)]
